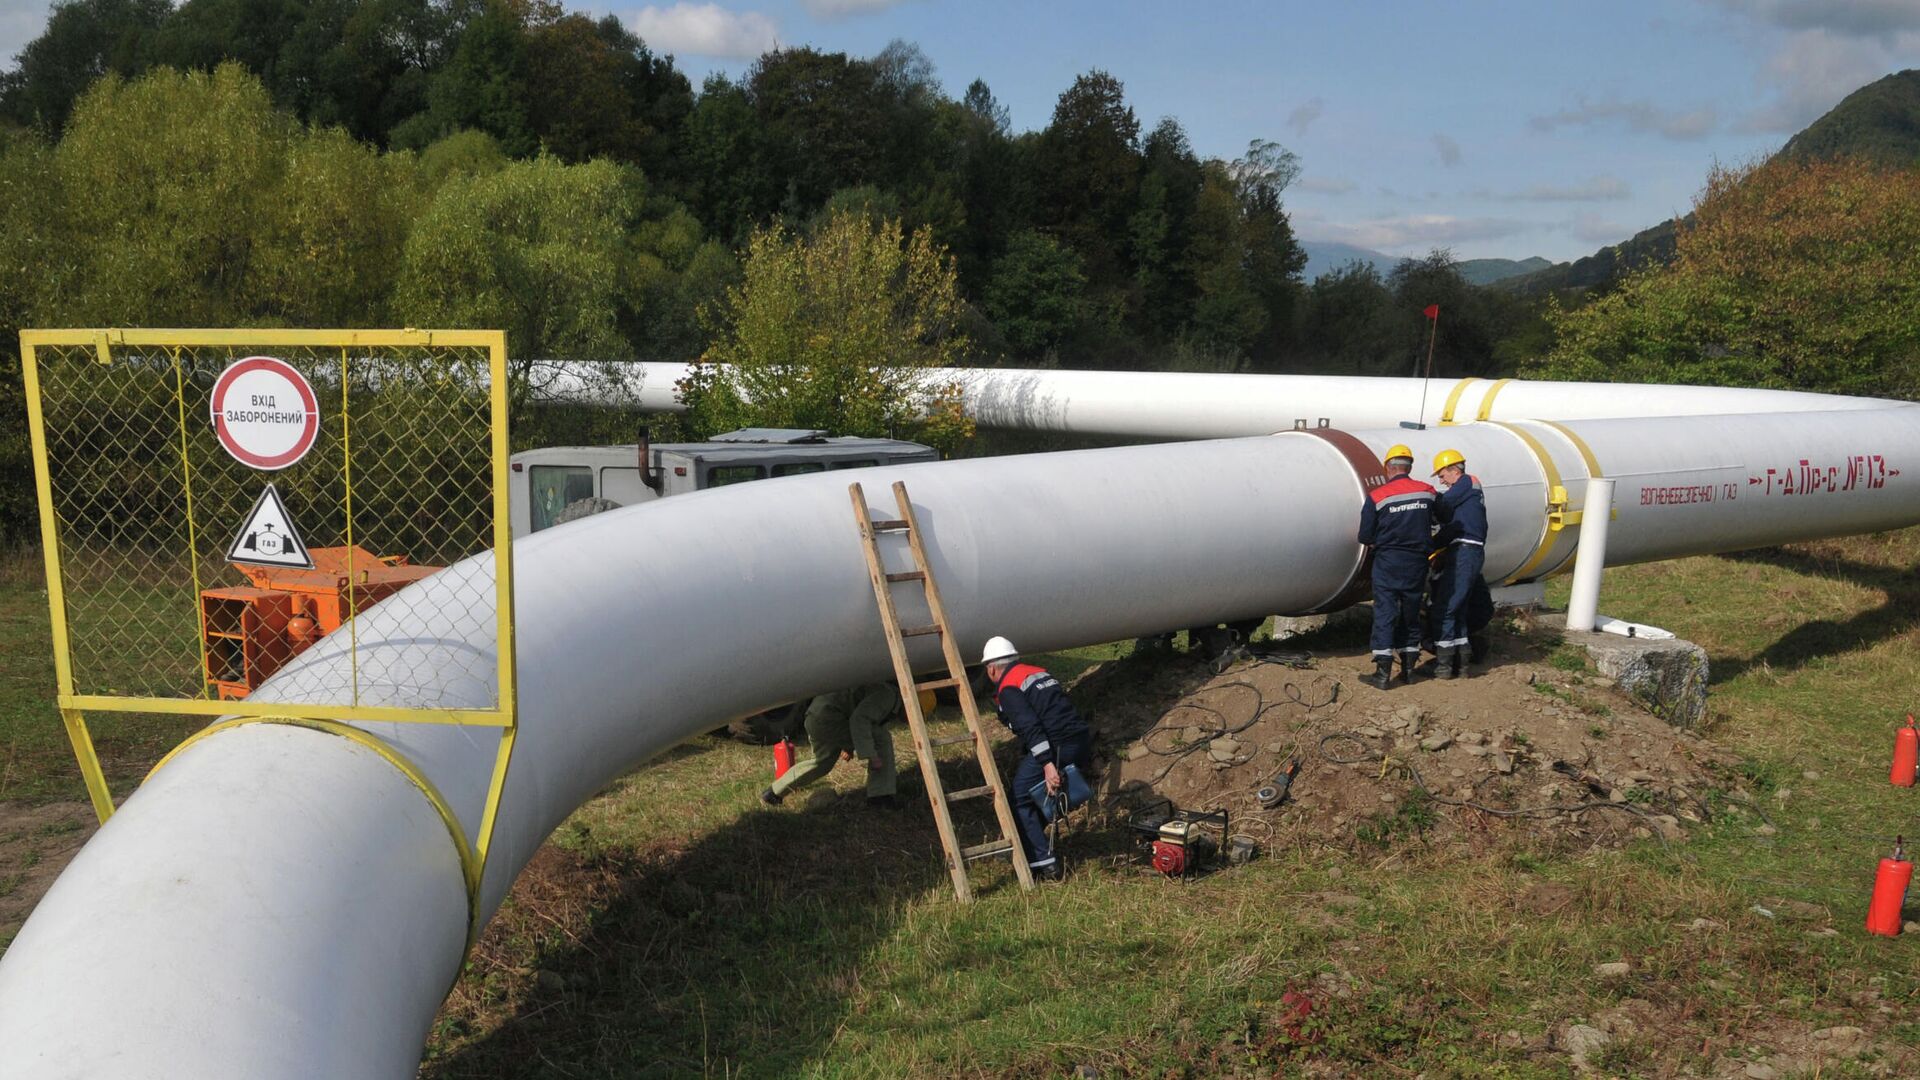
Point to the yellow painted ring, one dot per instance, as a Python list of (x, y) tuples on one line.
[(469, 863)]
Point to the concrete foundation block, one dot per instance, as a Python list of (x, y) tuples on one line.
[(1667, 675)]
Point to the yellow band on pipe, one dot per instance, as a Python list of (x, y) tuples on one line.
[(1453, 398), (1580, 444), (1486, 403), (1549, 538), (469, 864)]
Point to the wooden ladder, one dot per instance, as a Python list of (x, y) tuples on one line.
[(957, 857)]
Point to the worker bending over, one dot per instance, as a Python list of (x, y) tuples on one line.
[(841, 726), (1462, 514), (1397, 522), (1052, 736)]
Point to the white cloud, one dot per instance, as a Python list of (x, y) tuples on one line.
[(1882, 19), (1642, 116), (1595, 229), (20, 22), (1303, 117), (843, 9), (1408, 231), (1448, 149), (1814, 69), (1595, 189), (1325, 185), (705, 30)]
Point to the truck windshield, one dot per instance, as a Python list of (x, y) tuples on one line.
[(555, 487)]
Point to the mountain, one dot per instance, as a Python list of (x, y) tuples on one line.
[(1879, 121), (1325, 256), (1488, 271)]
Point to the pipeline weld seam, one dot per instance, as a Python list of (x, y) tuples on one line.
[(1580, 444), (469, 863)]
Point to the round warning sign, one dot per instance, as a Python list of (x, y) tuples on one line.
[(265, 412)]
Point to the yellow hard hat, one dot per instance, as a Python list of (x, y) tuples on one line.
[(1398, 450), (1445, 458)]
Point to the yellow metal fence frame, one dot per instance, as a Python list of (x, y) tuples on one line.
[(73, 706)]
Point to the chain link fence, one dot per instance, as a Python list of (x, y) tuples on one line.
[(216, 503)]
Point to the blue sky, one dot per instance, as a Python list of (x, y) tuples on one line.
[(1493, 128)]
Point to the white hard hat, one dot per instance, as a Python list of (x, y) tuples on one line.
[(998, 648)]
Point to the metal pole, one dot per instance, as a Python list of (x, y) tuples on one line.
[(1590, 558)]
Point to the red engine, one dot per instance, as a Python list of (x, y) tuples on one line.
[(1170, 858)]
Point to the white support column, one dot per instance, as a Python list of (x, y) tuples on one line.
[(1590, 558)]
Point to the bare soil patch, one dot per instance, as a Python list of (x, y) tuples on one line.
[(1530, 743), (36, 842)]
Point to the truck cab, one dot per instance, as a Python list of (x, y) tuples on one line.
[(556, 484)]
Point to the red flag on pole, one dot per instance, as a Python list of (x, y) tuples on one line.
[(1433, 311)]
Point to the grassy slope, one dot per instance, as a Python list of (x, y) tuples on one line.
[(673, 929)]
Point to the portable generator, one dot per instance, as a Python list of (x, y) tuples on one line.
[(1181, 842)]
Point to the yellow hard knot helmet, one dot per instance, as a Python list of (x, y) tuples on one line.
[(1399, 451), (1445, 458)]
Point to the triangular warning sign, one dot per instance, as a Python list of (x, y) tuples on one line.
[(268, 538)]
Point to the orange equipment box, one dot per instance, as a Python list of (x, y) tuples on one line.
[(251, 632)]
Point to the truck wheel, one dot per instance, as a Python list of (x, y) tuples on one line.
[(580, 508)]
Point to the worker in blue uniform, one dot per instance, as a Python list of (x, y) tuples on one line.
[(1462, 513), (1052, 736), (1397, 523)]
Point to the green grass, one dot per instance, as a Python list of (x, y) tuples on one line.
[(36, 760), (673, 928)]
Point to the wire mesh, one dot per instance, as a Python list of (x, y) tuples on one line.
[(146, 503)]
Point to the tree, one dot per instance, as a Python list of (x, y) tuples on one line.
[(1793, 274), (84, 40), (1035, 294), (538, 248), (1091, 168), (835, 330)]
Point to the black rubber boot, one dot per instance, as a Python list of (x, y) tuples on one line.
[(770, 797), (1478, 645), (1446, 662), (1382, 676), (1407, 663)]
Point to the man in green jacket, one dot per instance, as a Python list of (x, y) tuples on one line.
[(841, 726)]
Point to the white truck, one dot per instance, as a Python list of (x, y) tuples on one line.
[(557, 484)]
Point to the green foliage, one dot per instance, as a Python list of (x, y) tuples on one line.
[(834, 330), (1035, 294), (538, 248), (84, 40), (1798, 275)]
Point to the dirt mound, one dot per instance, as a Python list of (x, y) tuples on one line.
[(1532, 741)]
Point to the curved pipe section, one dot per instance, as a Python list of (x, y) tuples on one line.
[(283, 901)]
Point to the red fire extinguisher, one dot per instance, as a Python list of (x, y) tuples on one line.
[(1906, 754), (782, 757), (1890, 892)]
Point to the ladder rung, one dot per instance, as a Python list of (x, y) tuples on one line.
[(986, 850), (937, 684), (908, 575), (970, 793), (953, 740), (919, 631), (889, 525)]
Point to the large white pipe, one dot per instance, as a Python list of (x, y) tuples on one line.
[(1199, 405), (278, 903)]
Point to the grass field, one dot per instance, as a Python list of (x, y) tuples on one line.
[(673, 928)]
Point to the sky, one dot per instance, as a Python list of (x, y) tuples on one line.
[(1494, 129)]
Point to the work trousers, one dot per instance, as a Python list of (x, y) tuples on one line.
[(1026, 812), (827, 735), (1399, 584), (1451, 594)]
